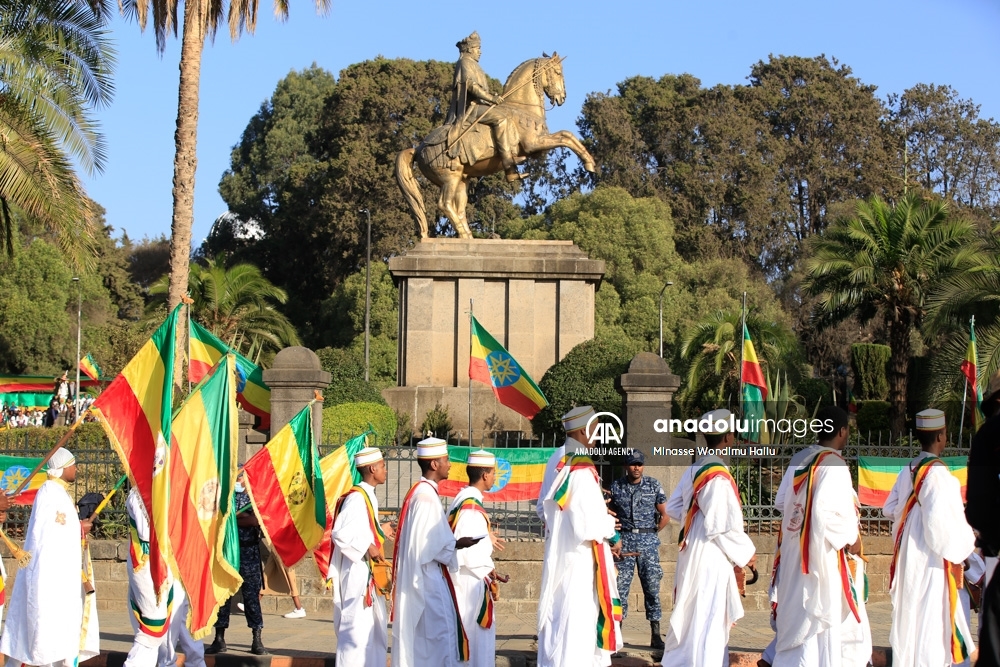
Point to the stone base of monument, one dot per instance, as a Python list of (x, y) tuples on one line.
[(489, 417)]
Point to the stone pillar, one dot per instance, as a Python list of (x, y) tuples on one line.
[(294, 377), (648, 389), (251, 440)]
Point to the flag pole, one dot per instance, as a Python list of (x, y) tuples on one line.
[(743, 344), (965, 384), (188, 305), (470, 376)]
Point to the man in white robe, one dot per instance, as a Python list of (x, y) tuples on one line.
[(579, 586), (575, 439), (476, 571), (819, 523), (45, 609), (359, 613), (707, 601), (931, 535), (426, 625)]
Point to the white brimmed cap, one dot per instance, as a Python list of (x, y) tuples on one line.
[(481, 459), (63, 458), (577, 418), (367, 456), (930, 420), (432, 448), (716, 416)]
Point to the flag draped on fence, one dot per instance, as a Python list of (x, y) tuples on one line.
[(339, 475), (90, 368), (202, 472), (286, 486), (754, 389), (35, 383), (14, 470), (135, 413), (519, 473), (877, 474), (251, 392), (969, 370), (491, 364)]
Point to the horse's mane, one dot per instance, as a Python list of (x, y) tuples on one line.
[(517, 70)]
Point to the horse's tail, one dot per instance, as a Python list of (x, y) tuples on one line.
[(410, 188)]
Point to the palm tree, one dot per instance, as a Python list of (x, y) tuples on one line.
[(55, 67), (237, 305), (884, 262)]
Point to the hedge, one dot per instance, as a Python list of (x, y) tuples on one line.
[(340, 422)]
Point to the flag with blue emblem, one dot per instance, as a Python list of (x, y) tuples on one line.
[(491, 364)]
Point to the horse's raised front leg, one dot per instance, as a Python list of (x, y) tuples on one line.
[(560, 139)]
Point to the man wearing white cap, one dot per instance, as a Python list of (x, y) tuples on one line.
[(476, 572), (359, 616), (574, 423), (932, 539), (426, 622), (707, 601), (45, 612)]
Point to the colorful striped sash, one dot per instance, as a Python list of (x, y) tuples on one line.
[(463, 639), (378, 538), (470, 504), (486, 614), (609, 606), (3, 591), (139, 548), (705, 474), (919, 475), (154, 627), (574, 462), (958, 646)]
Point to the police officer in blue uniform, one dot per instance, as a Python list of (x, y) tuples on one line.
[(640, 506)]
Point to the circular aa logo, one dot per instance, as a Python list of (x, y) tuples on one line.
[(504, 471), (604, 433), (503, 369)]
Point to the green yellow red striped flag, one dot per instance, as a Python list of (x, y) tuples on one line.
[(251, 393), (14, 470), (519, 473), (135, 411), (754, 388), (205, 550), (877, 474), (339, 475), (35, 383), (969, 370), (491, 364), (285, 483), (90, 368)]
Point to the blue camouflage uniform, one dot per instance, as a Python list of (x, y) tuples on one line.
[(250, 570), (635, 507)]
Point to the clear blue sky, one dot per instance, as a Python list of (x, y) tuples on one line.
[(892, 44)]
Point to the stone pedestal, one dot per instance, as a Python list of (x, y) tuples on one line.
[(535, 297), (294, 377)]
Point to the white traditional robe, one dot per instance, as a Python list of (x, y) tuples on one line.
[(550, 474), (45, 607), (706, 596), (179, 635), (974, 573), (568, 605), (425, 621), (856, 636), (474, 566), (362, 634), (812, 607), (935, 531)]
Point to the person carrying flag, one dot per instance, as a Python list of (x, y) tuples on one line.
[(932, 540), (359, 614)]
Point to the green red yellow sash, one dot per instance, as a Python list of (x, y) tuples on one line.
[(486, 613), (378, 537), (139, 548), (609, 607), (957, 646), (470, 504), (154, 627), (705, 474), (575, 462)]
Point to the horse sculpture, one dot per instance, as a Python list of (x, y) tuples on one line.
[(524, 106)]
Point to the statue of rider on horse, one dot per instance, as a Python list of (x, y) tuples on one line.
[(484, 133)]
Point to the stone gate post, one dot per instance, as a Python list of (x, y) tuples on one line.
[(293, 378)]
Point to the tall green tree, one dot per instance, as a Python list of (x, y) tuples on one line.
[(884, 262), (56, 64)]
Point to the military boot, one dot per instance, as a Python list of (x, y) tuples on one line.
[(655, 640), (257, 646), (219, 645)]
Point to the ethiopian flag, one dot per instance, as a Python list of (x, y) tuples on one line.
[(339, 475), (969, 371), (519, 473), (205, 553), (490, 364), (285, 484), (90, 368), (35, 384), (753, 392), (14, 470), (251, 392), (135, 412), (877, 474)]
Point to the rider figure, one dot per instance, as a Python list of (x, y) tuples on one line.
[(471, 101)]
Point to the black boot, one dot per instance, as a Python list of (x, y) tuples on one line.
[(655, 640), (219, 645), (257, 646)]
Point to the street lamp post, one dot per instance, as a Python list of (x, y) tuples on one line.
[(665, 286), (368, 289), (79, 328)]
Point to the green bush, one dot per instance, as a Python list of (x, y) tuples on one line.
[(814, 392), (437, 421), (17, 440), (869, 363), (345, 420), (585, 376), (348, 382), (873, 416)]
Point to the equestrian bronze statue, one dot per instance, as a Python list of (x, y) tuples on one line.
[(485, 133)]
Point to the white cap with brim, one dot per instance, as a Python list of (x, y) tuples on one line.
[(577, 418), (367, 456), (432, 448), (719, 422), (930, 420), (62, 459), (481, 459)]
